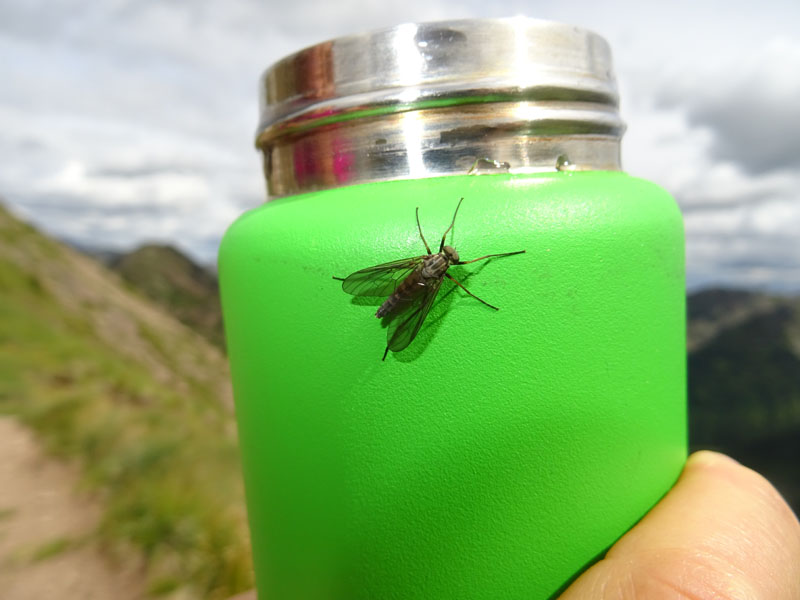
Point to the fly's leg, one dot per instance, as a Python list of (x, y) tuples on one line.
[(385, 353), (454, 280), (428, 248), (453, 222), (466, 262)]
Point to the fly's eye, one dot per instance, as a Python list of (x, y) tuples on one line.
[(451, 253)]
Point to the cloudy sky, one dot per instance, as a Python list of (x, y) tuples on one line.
[(129, 121)]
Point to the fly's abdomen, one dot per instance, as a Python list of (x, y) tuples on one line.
[(412, 286)]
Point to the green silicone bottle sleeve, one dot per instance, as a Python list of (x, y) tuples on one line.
[(502, 451)]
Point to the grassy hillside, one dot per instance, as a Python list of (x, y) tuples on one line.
[(137, 399)]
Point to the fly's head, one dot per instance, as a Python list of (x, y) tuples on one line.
[(451, 255)]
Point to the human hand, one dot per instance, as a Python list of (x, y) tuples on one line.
[(722, 532)]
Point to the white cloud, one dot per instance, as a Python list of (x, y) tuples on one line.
[(750, 105), (723, 135)]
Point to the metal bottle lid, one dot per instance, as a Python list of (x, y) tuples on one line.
[(426, 100)]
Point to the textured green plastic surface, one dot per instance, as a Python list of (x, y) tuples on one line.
[(502, 451)]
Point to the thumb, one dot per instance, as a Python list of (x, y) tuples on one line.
[(723, 531)]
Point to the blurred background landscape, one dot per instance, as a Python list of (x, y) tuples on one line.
[(127, 150)]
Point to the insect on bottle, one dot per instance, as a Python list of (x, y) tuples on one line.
[(499, 452), (411, 285)]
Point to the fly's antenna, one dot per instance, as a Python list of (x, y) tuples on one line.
[(453, 222)]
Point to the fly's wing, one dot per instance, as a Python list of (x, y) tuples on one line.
[(380, 280), (405, 325)]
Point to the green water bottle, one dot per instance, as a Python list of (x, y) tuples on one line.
[(524, 417)]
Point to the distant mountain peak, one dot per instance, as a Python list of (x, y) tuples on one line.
[(187, 290), (714, 310)]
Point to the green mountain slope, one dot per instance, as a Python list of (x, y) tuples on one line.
[(188, 291), (137, 399)]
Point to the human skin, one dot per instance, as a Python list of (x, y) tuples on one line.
[(722, 532)]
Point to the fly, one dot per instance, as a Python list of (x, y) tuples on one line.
[(411, 285)]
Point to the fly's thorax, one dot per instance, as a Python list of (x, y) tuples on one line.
[(435, 266), (451, 254)]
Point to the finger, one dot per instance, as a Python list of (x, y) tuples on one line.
[(723, 531)]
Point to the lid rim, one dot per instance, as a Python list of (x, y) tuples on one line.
[(439, 59), (426, 100)]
